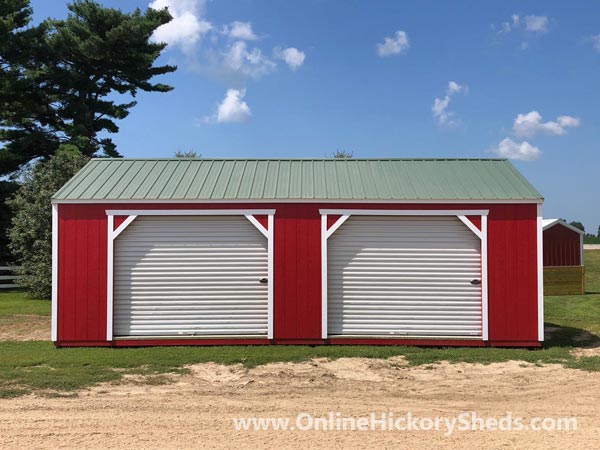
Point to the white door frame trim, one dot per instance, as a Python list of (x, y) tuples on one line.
[(122, 227), (344, 214), (131, 216)]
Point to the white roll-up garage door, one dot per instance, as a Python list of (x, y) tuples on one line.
[(190, 275), (404, 276)]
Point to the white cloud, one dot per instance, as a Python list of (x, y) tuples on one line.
[(522, 151), (293, 57), (240, 30), (530, 124), (240, 61), (440, 105), (596, 42), (514, 22), (531, 23), (187, 26), (455, 88), (233, 109), (394, 45), (536, 24)]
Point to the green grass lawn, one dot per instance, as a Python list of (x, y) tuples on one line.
[(13, 301), (579, 311), (38, 367)]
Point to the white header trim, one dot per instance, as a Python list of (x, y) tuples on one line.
[(299, 200), (405, 212), (190, 212)]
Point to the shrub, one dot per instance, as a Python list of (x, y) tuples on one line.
[(30, 234)]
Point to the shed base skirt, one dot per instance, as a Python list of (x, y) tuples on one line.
[(334, 341)]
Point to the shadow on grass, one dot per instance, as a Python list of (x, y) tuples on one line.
[(561, 336)]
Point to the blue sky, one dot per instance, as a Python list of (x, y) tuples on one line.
[(305, 78)]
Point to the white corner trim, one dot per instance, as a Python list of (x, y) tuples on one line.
[(54, 327), (258, 225), (122, 227), (484, 279), (110, 277), (581, 248), (338, 223), (324, 276), (471, 226), (271, 276), (540, 272), (405, 212), (190, 212)]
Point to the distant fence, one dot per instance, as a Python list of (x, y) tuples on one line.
[(8, 279)]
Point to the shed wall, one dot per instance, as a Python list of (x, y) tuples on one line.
[(512, 268), (562, 247)]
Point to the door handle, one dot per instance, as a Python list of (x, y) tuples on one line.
[(475, 282), (263, 280)]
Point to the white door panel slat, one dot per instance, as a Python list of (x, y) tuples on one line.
[(403, 275), (190, 276)]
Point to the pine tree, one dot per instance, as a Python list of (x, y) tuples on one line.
[(62, 81)]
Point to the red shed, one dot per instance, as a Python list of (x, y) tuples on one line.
[(377, 251), (564, 272), (563, 244)]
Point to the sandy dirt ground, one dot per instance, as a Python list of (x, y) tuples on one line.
[(24, 327), (196, 410)]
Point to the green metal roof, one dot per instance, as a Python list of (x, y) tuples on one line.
[(287, 179)]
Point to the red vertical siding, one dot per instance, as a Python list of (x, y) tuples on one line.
[(475, 220), (512, 272), (263, 220), (562, 247), (82, 273), (297, 272)]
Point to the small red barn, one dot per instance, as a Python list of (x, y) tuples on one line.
[(563, 258), (378, 251), (563, 244)]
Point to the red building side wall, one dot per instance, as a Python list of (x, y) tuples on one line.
[(512, 271), (562, 247)]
